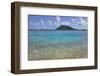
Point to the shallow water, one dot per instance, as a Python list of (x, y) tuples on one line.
[(57, 45)]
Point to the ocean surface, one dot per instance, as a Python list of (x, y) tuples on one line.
[(49, 45)]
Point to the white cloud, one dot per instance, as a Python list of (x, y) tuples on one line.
[(58, 18), (57, 23), (83, 21), (75, 22), (42, 21), (50, 22), (65, 23)]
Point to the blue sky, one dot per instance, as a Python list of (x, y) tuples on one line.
[(52, 22)]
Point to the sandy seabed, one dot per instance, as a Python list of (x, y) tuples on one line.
[(52, 52)]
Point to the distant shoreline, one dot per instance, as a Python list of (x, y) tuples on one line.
[(55, 30), (60, 28)]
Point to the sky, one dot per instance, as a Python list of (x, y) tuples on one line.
[(53, 22)]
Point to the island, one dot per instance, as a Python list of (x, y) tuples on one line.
[(64, 27)]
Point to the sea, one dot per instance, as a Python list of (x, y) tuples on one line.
[(60, 44)]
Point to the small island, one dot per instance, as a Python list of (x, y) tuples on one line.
[(64, 27)]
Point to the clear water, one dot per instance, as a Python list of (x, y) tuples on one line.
[(44, 40), (52, 37)]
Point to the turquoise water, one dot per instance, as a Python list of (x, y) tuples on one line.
[(43, 41), (55, 37)]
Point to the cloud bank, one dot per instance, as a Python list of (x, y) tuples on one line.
[(52, 22)]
